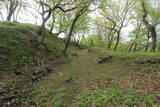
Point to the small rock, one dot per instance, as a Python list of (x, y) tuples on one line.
[(93, 104), (61, 74), (105, 58), (75, 54), (68, 80)]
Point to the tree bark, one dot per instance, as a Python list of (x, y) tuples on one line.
[(147, 45), (135, 43), (12, 8), (151, 28), (53, 21), (117, 41), (135, 47), (18, 11), (130, 48), (154, 39), (44, 20), (110, 40), (1, 16)]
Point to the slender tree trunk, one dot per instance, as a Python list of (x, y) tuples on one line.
[(109, 35), (18, 12), (42, 27), (44, 20), (154, 40), (70, 34), (135, 47), (13, 17), (78, 15), (135, 43), (12, 8), (158, 49), (52, 26), (110, 39), (126, 47), (130, 48), (117, 42), (110, 42), (147, 45), (1, 16), (10, 14)]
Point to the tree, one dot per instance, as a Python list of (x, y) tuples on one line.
[(116, 14), (1, 5), (151, 27), (46, 14), (13, 4), (49, 7), (82, 8), (13, 8)]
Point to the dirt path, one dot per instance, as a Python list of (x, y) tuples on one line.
[(84, 73)]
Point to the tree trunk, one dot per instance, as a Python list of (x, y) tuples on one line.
[(135, 43), (110, 40), (151, 28), (1, 16), (135, 47), (52, 26), (117, 42), (158, 49), (130, 48), (154, 39), (147, 45), (10, 14), (18, 11), (42, 27), (44, 20), (78, 15), (12, 8), (70, 34)]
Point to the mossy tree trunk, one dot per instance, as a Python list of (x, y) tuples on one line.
[(151, 28), (147, 44)]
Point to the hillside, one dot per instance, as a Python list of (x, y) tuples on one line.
[(20, 42), (23, 58), (33, 75)]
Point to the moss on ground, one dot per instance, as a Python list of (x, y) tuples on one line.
[(127, 80), (19, 44), (20, 51), (122, 82)]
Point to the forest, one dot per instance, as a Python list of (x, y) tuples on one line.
[(79, 53)]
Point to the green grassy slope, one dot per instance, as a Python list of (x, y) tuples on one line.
[(23, 60), (19, 43)]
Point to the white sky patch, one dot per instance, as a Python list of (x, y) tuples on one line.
[(126, 31)]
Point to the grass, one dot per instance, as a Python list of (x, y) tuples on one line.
[(127, 80), (117, 83), (16, 48), (104, 51), (110, 97)]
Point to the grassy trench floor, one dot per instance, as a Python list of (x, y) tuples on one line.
[(128, 81)]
